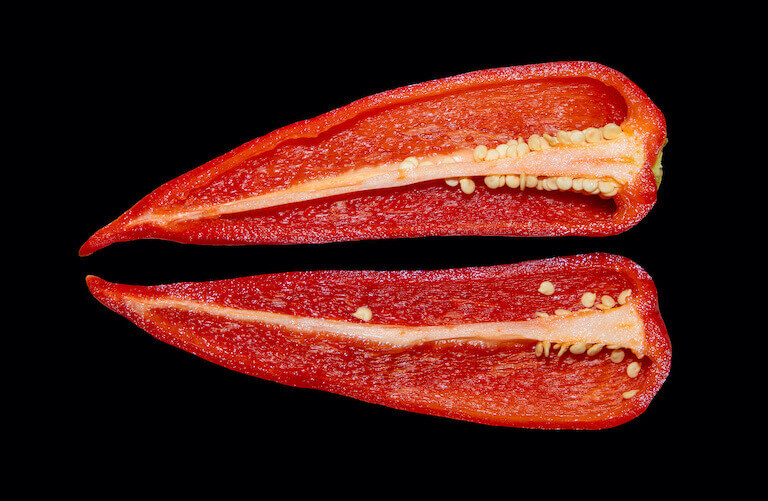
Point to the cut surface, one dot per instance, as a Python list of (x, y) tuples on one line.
[(441, 125), (600, 168), (508, 142), (550, 344)]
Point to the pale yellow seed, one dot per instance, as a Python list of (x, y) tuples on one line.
[(534, 142), (611, 131), (502, 149), (492, 155), (530, 181), (613, 346), (617, 356), (467, 185), (563, 137), (542, 314), (629, 394), (578, 184), (589, 185), (480, 152), (610, 194), (608, 301), (563, 313), (563, 349), (452, 181), (595, 349), (522, 181), (502, 181), (512, 180), (578, 348), (492, 182), (550, 184), (624, 295), (363, 313), (588, 299), (556, 346), (605, 186), (564, 183), (593, 135), (447, 160), (547, 345), (539, 184), (539, 349), (577, 137), (633, 369), (522, 149), (551, 140), (547, 288)]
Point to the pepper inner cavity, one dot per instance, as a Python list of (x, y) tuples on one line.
[(605, 187), (610, 154)]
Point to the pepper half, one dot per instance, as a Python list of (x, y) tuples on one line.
[(574, 342), (567, 148)]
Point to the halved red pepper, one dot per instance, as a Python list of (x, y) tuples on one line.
[(574, 342), (567, 148)]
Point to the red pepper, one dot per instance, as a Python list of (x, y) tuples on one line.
[(574, 342), (568, 148)]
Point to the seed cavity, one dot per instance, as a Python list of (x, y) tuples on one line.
[(514, 148), (589, 301)]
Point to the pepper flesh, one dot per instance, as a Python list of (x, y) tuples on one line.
[(458, 343), (340, 176)]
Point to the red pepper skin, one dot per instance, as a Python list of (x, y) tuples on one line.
[(428, 209), (499, 384)]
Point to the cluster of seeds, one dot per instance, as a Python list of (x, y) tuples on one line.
[(589, 300), (515, 148)]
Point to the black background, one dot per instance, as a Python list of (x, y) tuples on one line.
[(156, 96)]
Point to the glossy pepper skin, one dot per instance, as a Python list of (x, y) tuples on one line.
[(341, 176), (458, 343)]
